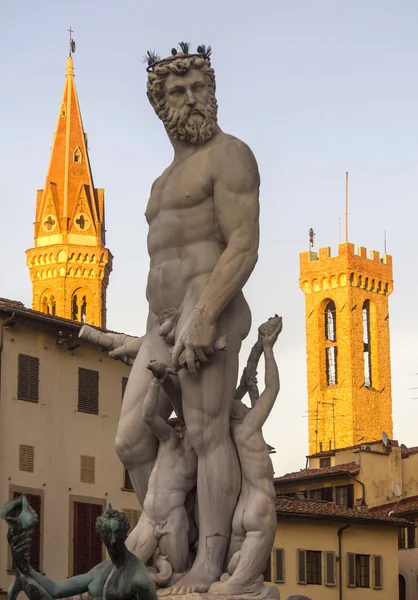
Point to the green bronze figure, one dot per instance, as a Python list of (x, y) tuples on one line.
[(123, 577)]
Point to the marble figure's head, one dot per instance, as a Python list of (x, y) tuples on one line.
[(113, 528), (182, 93)]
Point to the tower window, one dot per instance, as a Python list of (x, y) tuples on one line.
[(331, 349), (78, 155), (79, 307), (367, 345), (74, 308)]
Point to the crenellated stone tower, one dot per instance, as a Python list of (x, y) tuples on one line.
[(347, 345), (69, 264)]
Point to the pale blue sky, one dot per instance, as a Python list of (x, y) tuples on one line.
[(316, 88)]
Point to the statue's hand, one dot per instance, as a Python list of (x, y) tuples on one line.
[(269, 331), (196, 340), (127, 353)]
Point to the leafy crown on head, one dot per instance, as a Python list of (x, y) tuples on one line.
[(153, 59)]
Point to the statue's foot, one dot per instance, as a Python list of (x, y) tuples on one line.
[(198, 579), (231, 587)]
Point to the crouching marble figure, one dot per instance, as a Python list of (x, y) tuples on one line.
[(123, 577), (203, 238)]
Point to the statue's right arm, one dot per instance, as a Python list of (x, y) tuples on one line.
[(63, 589)]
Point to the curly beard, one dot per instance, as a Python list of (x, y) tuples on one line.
[(194, 125)]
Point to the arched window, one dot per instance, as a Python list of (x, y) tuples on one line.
[(52, 304), (79, 306), (331, 343), (74, 308), (48, 304), (367, 351), (44, 305), (83, 311)]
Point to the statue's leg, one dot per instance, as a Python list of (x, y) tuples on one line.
[(238, 531), (136, 445), (260, 523), (207, 401), (142, 541), (175, 544)]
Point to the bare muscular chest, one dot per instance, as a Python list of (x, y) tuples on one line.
[(182, 186), (180, 210)]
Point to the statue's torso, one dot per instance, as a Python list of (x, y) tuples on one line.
[(172, 477), (125, 583), (184, 240), (257, 468)]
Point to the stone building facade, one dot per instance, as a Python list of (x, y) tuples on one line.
[(69, 264), (347, 345), (60, 401)]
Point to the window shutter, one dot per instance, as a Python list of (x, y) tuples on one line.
[(329, 568), (302, 566), (267, 572), (410, 532), (351, 569), (35, 546), (124, 384), (87, 549), (28, 378), (132, 516), (127, 483), (87, 469), (279, 565), (350, 495), (88, 391), (377, 573), (96, 547), (26, 458)]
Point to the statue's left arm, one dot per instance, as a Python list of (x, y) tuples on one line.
[(257, 416), (73, 586), (235, 196)]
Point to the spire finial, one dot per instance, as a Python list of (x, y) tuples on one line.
[(72, 42)]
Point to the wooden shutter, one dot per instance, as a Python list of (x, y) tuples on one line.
[(330, 568), (377, 573), (88, 391), (26, 458), (350, 495), (410, 533), (279, 565), (351, 569), (87, 544), (127, 483), (87, 469), (267, 572), (302, 566), (28, 378), (124, 384), (132, 516), (35, 548)]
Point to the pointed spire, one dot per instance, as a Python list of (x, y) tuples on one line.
[(69, 224), (69, 169)]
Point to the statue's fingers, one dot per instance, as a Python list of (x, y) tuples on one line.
[(177, 350), (190, 359), (201, 355), (208, 350)]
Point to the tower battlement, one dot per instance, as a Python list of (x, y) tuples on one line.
[(320, 270)]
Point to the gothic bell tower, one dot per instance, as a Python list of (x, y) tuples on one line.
[(347, 346), (69, 264)]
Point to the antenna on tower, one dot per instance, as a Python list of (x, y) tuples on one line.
[(346, 206), (385, 241), (311, 238)]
